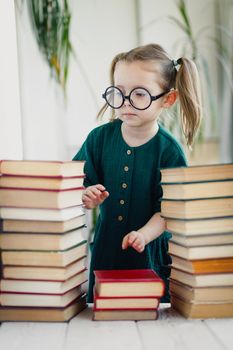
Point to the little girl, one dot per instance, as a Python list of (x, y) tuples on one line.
[(124, 157)]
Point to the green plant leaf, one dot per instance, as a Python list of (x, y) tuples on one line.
[(51, 23)]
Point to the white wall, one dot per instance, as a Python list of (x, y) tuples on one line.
[(99, 30), (53, 129), (43, 119), (10, 129), (157, 26)]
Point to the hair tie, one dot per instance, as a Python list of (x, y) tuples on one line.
[(177, 62)]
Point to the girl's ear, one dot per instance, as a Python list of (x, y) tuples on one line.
[(170, 98)]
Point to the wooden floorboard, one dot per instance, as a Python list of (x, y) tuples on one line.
[(173, 332), (170, 331), (222, 330), (83, 333), (32, 336)]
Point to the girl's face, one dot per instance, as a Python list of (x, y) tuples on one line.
[(128, 76)]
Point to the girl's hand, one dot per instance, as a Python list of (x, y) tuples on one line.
[(134, 239), (93, 196)]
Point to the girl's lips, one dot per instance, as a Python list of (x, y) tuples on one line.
[(129, 114)]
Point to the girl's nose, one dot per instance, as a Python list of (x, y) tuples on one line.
[(126, 101)]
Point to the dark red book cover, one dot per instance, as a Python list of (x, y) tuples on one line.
[(142, 275)]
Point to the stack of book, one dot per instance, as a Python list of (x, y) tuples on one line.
[(42, 240), (197, 203), (127, 295)]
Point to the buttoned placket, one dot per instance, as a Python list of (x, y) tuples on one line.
[(127, 160)]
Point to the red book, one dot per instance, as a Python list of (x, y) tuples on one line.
[(125, 315), (125, 303), (128, 283)]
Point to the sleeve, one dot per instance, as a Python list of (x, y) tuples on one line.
[(89, 153), (173, 157)]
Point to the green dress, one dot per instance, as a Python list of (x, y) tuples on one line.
[(131, 176)]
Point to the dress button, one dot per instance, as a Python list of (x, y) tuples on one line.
[(124, 185), (122, 201), (126, 168), (120, 218), (129, 151)]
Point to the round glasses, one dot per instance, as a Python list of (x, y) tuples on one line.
[(139, 98)]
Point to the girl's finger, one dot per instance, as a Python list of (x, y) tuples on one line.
[(132, 238), (125, 242)]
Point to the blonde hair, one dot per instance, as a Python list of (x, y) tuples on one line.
[(185, 80)]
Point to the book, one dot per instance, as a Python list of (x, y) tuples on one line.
[(38, 241), (198, 190), (201, 294), (40, 300), (197, 209), (133, 283), (201, 310), (42, 168), (43, 314), (202, 240), (197, 173), (14, 181), (44, 272), (42, 286), (200, 252), (27, 198), (217, 265), (14, 213), (124, 315), (202, 280), (196, 227), (38, 226), (125, 303), (54, 258)]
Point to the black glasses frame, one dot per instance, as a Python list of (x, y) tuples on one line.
[(124, 97)]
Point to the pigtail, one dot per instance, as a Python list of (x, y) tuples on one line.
[(188, 85), (116, 59)]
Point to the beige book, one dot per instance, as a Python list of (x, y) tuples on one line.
[(201, 294), (44, 272), (42, 226), (41, 182), (54, 258), (50, 199), (125, 315), (40, 300), (208, 226), (43, 287), (41, 241), (202, 240), (42, 168), (203, 310), (194, 173), (198, 190), (43, 314), (36, 214), (205, 280), (201, 252), (197, 209)]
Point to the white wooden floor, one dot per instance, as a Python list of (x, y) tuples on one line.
[(170, 331)]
